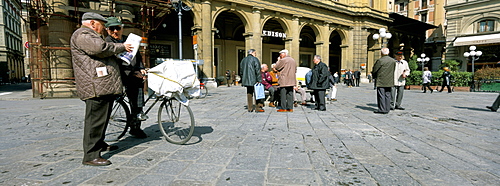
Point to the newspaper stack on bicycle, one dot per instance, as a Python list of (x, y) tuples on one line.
[(174, 79)]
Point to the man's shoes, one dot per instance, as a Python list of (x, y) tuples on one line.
[(379, 112), (271, 104), (333, 99), (260, 110), (400, 108), (109, 148), (289, 110), (138, 133), (491, 108), (98, 162), (282, 110), (303, 103)]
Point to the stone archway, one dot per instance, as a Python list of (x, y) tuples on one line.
[(273, 39)]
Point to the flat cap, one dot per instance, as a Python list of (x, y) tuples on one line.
[(93, 16), (284, 51), (113, 21)]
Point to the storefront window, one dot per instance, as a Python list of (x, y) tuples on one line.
[(486, 26)]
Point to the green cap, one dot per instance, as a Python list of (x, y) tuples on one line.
[(113, 21)]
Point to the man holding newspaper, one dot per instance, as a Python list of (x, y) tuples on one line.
[(132, 73)]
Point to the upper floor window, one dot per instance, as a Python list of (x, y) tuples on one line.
[(424, 4), (401, 7), (486, 26), (423, 17)]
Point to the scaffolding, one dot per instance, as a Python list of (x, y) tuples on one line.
[(51, 23)]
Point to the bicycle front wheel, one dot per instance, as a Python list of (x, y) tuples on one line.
[(118, 121), (176, 121)]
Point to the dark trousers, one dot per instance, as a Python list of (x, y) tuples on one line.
[(97, 112), (447, 86), (319, 96), (134, 87), (286, 94), (427, 85), (496, 104), (271, 90), (384, 99), (357, 82)]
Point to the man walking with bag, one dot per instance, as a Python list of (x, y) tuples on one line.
[(250, 75)]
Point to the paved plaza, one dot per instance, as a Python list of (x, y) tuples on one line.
[(440, 139)]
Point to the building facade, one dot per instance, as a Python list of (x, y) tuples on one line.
[(473, 23), (431, 12), (219, 32), (11, 43)]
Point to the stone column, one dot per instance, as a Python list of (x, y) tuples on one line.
[(294, 45), (325, 35), (60, 65), (257, 32), (207, 39)]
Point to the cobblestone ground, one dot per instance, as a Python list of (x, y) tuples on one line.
[(440, 139)]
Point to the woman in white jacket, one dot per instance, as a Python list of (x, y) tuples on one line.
[(427, 79)]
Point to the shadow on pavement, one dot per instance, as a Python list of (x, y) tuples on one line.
[(369, 107), (473, 108)]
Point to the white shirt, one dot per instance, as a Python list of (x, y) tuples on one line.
[(401, 67)]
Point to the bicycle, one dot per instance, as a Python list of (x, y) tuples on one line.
[(203, 91), (176, 120)]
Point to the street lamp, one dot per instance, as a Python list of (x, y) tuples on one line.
[(423, 60), (177, 4), (382, 34), (472, 54)]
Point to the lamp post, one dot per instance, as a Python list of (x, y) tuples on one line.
[(384, 35), (423, 60), (177, 4), (473, 53)]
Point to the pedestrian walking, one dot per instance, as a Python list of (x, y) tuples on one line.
[(446, 77), (97, 78), (383, 71), (427, 80), (250, 75), (495, 105), (287, 80)]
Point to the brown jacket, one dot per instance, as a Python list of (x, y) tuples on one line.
[(89, 51), (287, 68)]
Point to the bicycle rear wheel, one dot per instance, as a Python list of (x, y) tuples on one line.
[(176, 121), (118, 121)]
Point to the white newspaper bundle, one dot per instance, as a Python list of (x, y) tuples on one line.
[(134, 40), (174, 79)]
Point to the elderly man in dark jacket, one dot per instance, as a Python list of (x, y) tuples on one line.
[(319, 82), (383, 71), (250, 75), (97, 82)]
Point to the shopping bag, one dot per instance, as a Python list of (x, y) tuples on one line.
[(259, 91)]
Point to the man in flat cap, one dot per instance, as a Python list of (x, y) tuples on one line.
[(132, 77), (401, 71), (97, 82)]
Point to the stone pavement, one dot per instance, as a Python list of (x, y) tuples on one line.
[(440, 139)]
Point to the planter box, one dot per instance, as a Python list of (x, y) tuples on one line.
[(434, 87)]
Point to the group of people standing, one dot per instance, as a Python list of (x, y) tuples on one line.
[(281, 80), (390, 74), (100, 77), (351, 78)]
